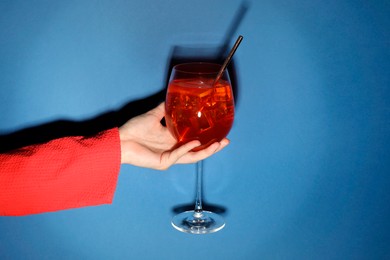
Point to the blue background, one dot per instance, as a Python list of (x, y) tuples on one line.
[(306, 175)]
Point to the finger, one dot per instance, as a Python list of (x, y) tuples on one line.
[(185, 148), (213, 148), (207, 152), (170, 158), (224, 142), (192, 157)]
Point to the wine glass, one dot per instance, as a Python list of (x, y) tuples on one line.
[(199, 108)]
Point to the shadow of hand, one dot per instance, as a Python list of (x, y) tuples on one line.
[(61, 128)]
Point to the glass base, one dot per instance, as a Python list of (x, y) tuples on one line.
[(194, 222)]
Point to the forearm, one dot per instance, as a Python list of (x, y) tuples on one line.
[(64, 173)]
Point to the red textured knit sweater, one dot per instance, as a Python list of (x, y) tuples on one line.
[(64, 173)]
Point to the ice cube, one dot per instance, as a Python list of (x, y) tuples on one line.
[(205, 120)]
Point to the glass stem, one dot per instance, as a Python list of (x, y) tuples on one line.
[(198, 199)]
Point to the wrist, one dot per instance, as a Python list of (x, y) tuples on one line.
[(122, 145)]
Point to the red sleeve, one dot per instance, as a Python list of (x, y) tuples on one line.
[(64, 173)]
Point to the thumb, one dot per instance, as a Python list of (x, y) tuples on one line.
[(158, 111)]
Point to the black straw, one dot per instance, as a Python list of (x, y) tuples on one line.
[(228, 59)]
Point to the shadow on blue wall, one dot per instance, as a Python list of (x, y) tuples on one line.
[(212, 54), (61, 128), (179, 54)]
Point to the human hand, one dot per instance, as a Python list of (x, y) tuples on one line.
[(145, 142)]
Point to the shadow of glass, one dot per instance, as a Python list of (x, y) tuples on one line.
[(219, 209), (211, 53)]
